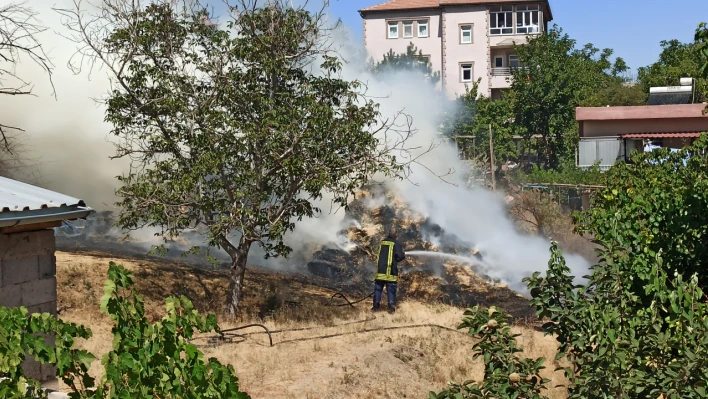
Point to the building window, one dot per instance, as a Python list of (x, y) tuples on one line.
[(465, 34), (422, 59), (422, 28), (408, 29), (501, 20), (514, 61), (527, 18), (498, 62), (466, 72), (393, 30)]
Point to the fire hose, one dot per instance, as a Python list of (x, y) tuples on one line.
[(340, 295), (227, 336)]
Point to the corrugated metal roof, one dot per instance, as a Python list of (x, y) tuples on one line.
[(16, 196), (668, 135)]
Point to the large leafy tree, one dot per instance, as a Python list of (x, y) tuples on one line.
[(677, 60), (616, 93), (19, 40), (498, 115), (412, 60), (459, 118), (468, 120), (233, 129), (702, 40), (556, 77), (632, 331)]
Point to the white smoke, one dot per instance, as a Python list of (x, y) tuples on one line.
[(65, 138), (69, 139), (475, 215)]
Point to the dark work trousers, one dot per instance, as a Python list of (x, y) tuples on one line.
[(390, 292)]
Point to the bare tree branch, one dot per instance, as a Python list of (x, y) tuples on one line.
[(19, 32)]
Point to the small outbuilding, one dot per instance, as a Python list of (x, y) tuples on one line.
[(28, 216), (670, 119)]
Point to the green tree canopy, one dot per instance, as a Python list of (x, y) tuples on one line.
[(617, 93), (497, 114), (657, 201), (231, 131), (468, 121), (556, 77), (702, 40), (637, 326), (460, 116), (412, 60), (677, 60), (147, 360)]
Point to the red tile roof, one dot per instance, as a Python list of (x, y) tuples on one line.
[(676, 135), (393, 5), (403, 5)]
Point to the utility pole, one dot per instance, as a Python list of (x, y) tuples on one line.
[(491, 158)]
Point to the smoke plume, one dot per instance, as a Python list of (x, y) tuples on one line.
[(69, 141), (474, 215), (65, 138)]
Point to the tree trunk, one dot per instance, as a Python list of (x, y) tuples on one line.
[(238, 270)]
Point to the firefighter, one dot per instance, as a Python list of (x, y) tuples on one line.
[(390, 253)]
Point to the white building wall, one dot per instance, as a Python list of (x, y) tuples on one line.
[(443, 44), (377, 42), (457, 53)]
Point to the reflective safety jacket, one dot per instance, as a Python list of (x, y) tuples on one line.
[(390, 253)]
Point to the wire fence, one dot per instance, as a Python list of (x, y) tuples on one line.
[(577, 197)]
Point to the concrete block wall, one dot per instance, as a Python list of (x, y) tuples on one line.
[(28, 278)]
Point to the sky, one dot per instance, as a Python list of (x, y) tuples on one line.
[(633, 28)]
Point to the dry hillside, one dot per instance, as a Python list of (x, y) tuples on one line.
[(337, 352)]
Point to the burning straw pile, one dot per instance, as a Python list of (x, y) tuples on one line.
[(435, 278), (457, 278)]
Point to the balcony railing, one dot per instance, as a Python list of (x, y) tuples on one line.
[(506, 71), (501, 71)]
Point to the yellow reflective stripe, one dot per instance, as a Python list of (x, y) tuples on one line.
[(378, 256), (386, 277), (389, 264)]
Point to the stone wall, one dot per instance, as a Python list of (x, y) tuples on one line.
[(28, 278)]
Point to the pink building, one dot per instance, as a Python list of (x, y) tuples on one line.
[(464, 39)]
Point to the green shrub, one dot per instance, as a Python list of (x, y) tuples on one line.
[(147, 360), (22, 335), (615, 344), (657, 202), (506, 376), (566, 173), (638, 326)]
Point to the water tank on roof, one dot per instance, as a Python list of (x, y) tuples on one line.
[(686, 82), (667, 95)]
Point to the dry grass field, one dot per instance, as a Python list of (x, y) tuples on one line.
[(337, 352)]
